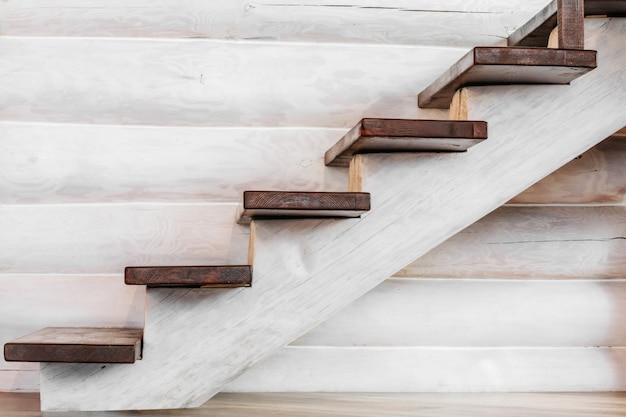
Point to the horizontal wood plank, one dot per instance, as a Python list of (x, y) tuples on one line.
[(77, 345), (105, 238), (294, 204), (494, 65), (455, 22), (401, 135), (198, 82), (431, 369), (190, 276), (537, 30), (533, 242), (56, 163)]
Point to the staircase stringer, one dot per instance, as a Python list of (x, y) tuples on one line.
[(304, 270)]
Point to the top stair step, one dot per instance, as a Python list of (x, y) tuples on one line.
[(398, 135), (507, 65), (536, 31), (77, 345), (290, 204)]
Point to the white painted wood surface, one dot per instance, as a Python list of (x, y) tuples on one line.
[(303, 269), (533, 242), (444, 22), (200, 82), (60, 163), (105, 238), (415, 369)]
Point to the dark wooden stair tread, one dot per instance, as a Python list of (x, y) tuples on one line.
[(401, 135), (537, 31), (227, 276), (506, 65), (292, 204), (77, 345)]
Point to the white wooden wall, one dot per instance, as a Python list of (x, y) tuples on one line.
[(128, 132)]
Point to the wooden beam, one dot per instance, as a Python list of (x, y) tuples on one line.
[(570, 17), (293, 204), (502, 65), (400, 135), (230, 276), (77, 345)]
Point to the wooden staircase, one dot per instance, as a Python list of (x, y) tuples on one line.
[(294, 258)]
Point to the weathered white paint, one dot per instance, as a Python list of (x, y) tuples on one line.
[(59, 163), (426, 369), (105, 238), (198, 82), (306, 270), (533, 242), (479, 313), (443, 22)]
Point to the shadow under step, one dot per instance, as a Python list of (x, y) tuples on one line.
[(507, 65), (225, 276), (400, 135), (536, 32), (290, 204), (77, 345)]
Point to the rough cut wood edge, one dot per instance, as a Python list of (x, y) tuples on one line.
[(536, 31), (402, 135), (305, 270), (505, 65), (294, 204), (77, 345), (223, 276)]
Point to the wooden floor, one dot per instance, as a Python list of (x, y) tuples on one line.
[(346, 405)]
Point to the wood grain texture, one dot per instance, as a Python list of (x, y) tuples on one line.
[(307, 269), (227, 276), (492, 66), (294, 204), (533, 243), (607, 404), (598, 176), (77, 345), (105, 238), (537, 30), (450, 22), (427, 369), (64, 163), (212, 83), (401, 135), (570, 16)]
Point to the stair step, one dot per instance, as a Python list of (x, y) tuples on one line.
[(537, 31), (401, 135), (227, 276), (290, 204), (77, 345), (506, 65)]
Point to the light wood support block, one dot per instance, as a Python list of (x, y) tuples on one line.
[(190, 276), (77, 345), (398, 135), (502, 65), (537, 30), (290, 204)]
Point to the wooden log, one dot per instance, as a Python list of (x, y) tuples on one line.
[(570, 16), (293, 204), (493, 66), (395, 135), (77, 345), (231, 276)]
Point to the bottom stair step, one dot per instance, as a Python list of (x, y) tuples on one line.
[(289, 204), (77, 345), (400, 135), (230, 276)]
